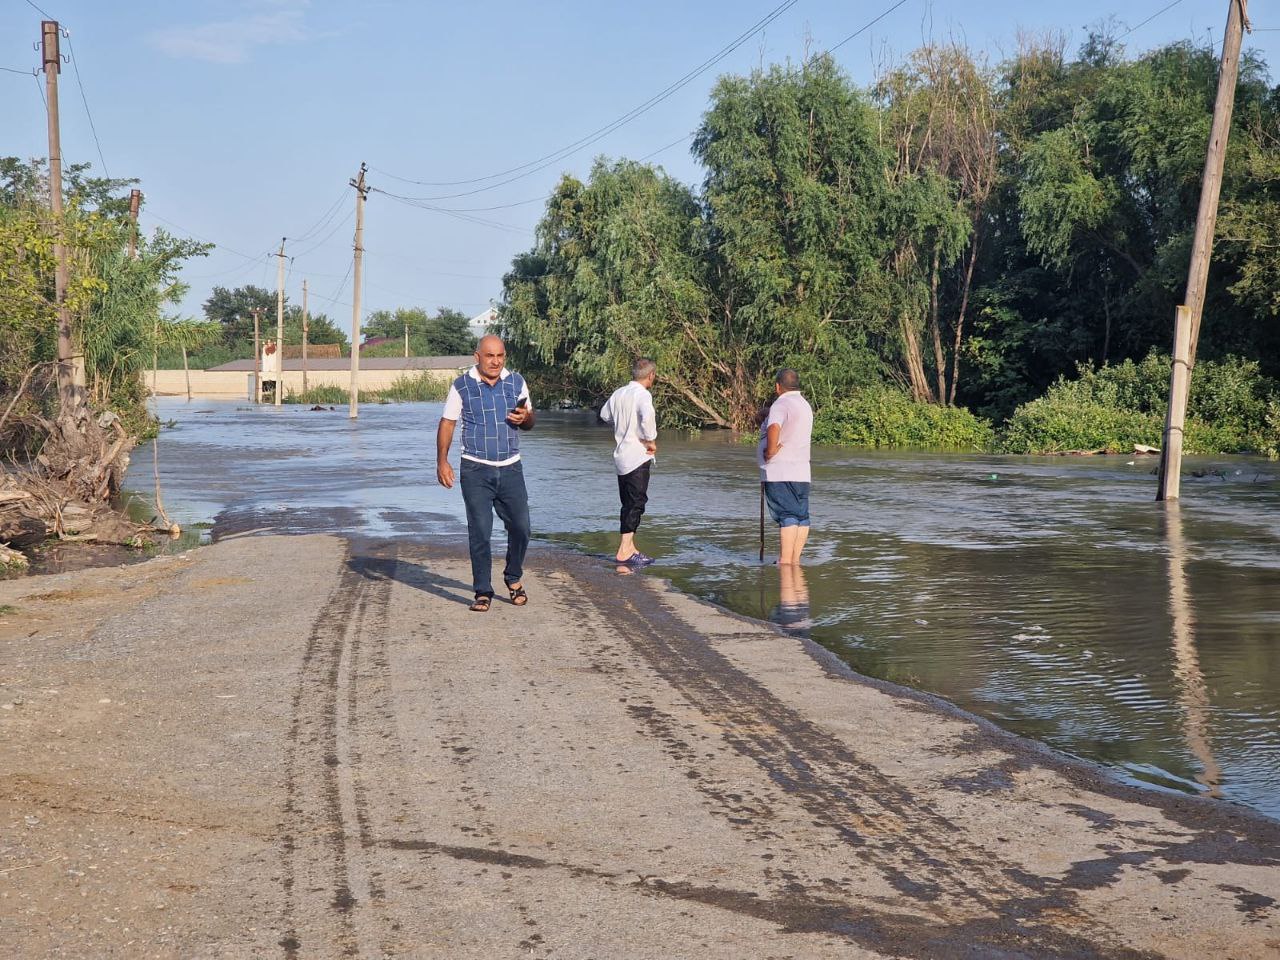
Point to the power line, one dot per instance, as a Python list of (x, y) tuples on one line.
[(238, 268), (465, 217), (325, 239), (673, 143), (28, 73), (548, 159), (196, 236), (39, 11), (501, 206), (1162, 10), (75, 65), (868, 25), (342, 286), (324, 220)]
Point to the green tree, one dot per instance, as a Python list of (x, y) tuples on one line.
[(115, 300), (233, 309), (798, 207), (620, 270), (448, 333)]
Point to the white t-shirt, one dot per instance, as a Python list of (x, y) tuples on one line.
[(794, 417), (630, 410)]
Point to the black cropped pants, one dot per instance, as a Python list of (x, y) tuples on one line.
[(633, 491)]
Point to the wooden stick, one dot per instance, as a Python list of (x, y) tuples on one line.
[(762, 521)]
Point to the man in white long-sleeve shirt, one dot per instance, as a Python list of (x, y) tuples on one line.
[(635, 430)]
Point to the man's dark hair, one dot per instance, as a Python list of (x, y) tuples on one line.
[(788, 379)]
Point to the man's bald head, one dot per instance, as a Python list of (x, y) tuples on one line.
[(491, 357)]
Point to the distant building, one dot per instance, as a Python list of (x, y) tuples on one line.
[(481, 321), (377, 341)]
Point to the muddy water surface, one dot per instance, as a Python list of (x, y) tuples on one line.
[(1051, 595)]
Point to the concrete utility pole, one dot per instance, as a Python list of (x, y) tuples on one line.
[(361, 192), (1187, 325), (280, 322), (68, 392), (135, 204), (406, 341), (306, 332), (257, 354)]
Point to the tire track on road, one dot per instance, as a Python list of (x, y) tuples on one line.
[(883, 824), (326, 822)]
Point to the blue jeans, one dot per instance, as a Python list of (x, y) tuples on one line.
[(486, 490)]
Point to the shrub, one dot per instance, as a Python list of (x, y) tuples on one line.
[(423, 388), (1117, 406), (887, 417), (327, 395)]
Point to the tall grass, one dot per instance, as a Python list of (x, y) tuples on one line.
[(422, 388)]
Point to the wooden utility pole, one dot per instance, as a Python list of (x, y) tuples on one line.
[(280, 322), (1187, 325), (135, 203), (406, 341), (306, 332), (68, 394), (257, 354), (357, 277)]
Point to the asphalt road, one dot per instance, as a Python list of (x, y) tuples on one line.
[(306, 747)]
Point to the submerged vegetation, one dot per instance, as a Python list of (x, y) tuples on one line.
[(1010, 239), (423, 388)]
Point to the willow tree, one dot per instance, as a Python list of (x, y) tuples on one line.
[(940, 115), (620, 270), (797, 203)]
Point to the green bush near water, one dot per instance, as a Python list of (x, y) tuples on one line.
[(888, 417), (423, 388), (1232, 409)]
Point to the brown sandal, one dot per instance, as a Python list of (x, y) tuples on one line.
[(518, 597), (481, 603)]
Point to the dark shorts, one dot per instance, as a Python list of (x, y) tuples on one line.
[(788, 502)]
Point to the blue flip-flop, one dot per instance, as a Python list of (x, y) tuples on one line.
[(637, 559)]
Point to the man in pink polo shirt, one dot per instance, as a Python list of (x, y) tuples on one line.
[(784, 464)]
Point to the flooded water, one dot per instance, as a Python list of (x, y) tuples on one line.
[(1048, 594)]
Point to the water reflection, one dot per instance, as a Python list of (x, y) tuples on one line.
[(1193, 695), (792, 611)]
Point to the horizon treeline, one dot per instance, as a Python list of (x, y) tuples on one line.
[(966, 233)]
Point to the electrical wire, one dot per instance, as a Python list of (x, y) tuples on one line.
[(75, 65), (501, 206), (548, 159), (325, 239), (465, 217), (673, 143), (196, 236), (342, 286), (38, 10), (868, 25), (324, 220), (1162, 10), (28, 73), (238, 268)]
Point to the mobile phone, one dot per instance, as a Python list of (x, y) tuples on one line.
[(522, 402)]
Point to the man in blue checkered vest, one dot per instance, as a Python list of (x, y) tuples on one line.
[(493, 404)]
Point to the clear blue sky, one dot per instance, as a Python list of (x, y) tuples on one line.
[(244, 119)]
